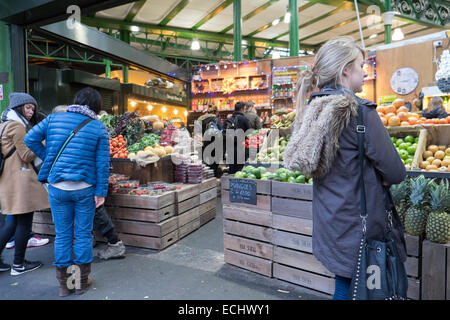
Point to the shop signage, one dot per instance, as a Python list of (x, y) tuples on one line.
[(243, 191)]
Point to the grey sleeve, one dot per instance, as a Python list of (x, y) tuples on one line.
[(380, 150)]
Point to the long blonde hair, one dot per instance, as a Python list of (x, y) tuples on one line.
[(331, 60)]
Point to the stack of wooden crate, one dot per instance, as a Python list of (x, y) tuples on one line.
[(146, 222), (248, 230), (43, 223), (208, 200)]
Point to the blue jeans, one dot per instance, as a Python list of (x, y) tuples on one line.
[(69, 208), (342, 287)]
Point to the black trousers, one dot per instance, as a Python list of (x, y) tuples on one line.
[(104, 226), (20, 228)]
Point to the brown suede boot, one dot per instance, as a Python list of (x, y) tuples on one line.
[(62, 276), (85, 280)]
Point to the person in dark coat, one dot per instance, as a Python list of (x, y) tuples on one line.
[(324, 145), (435, 109), (211, 130), (252, 116), (236, 129)]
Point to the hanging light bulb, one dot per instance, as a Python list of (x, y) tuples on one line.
[(164, 109), (149, 107), (195, 44), (175, 111), (398, 35), (133, 103), (373, 36), (275, 55), (134, 29), (287, 17), (275, 22)]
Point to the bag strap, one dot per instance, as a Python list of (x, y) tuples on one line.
[(64, 145), (361, 130), (13, 149)]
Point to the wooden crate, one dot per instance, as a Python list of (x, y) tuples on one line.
[(188, 228), (207, 206), (149, 242), (141, 202), (262, 186), (187, 191), (435, 271), (248, 246), (208, 195), (292, 207), (263, 191), (188, 216), (43, 223), (186, 205), (292, 190), (248, 262), (147, 215), (413, 266), (148, 229), (208, 184), (162, 170), (437, 135), (243, 214), (207, 216)]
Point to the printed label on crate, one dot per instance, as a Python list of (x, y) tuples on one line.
[(243, 191)]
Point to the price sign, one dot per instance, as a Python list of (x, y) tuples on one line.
[(243, 191)]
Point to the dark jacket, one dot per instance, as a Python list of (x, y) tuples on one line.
[(437, 112), (337, 227), (240, 120), (254, 120), (207, 119)]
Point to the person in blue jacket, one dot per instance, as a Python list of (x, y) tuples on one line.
[(78, 181)]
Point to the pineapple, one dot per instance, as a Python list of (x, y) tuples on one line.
[(417, 213), (438, 223), (400, 195)]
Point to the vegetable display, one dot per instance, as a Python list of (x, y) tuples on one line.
[(118, 147), (282, 174)]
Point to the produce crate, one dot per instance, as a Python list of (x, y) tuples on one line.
[(162, 170), (263, 191), (207, 211), (248, 238), (141, 202), (437, 135), (435, 271), (402, 132), (413, 266), (188, 222), (43, 223), (292, 199)]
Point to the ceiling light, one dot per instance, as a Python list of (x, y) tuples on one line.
[(149, 107), (185, 113), (287, 17), (275, 55), (164, 109), (310, 52), (275, 22), (134, 28), (175, 111), (244, 42), (195, 45), (373, 36), (133, 103), (398, 35)]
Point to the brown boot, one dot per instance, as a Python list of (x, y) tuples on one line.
[(85, 280), (62, 276)]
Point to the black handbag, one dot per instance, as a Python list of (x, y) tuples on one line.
[(380, 273)]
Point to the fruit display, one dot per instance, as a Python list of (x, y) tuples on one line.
[(438, 222), (282, 174), (147, 140), (436, 158), (255, 139), (406, 148), (424, 207), (282, 120), (273, 154), (167, 135), (118, 147), (397, 114), (417, 213)]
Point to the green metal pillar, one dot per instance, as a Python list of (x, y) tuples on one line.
[(107, 68), (237, 32), (125, 37), (6, 70), (251, 51), (387, 27), (293, 29)]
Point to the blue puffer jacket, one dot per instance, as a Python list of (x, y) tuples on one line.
[(86, 157)]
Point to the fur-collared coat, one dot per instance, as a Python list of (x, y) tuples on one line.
[(324, 144)]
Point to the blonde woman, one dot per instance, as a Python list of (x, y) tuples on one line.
[(324, 144)]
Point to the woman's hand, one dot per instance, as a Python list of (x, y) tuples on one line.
[(99, 201)]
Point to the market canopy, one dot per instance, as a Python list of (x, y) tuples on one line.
[(168, 27)]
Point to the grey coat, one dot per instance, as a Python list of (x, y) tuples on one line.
[(337, 227)]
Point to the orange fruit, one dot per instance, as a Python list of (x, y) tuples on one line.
[(390, 109), (384, 120), (404, 124), (394, 121), (389, 115), (398, 103), (403, 116), (381, 109), (402, 109), (412, 120)]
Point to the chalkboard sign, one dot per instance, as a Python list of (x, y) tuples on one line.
[(242, 190)]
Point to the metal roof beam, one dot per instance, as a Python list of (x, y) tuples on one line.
[(135, 10), (182, 33), (406, 34), (172, 14), (212, 14)]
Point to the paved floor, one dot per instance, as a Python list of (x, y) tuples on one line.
[(191, 269)]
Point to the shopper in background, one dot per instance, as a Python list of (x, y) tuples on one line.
[(20, 192), (325, 143), (435, 109), (235, 122), (252, 116), (211, 130), (78, 180)]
